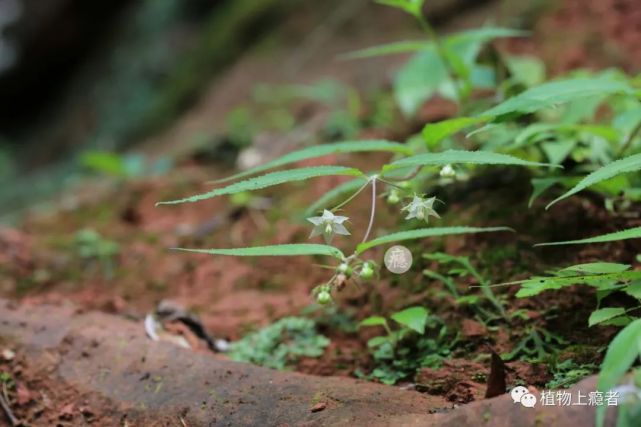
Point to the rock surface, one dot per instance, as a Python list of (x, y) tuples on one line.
[(118, 374)]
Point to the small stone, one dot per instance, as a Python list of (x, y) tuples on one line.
[(8, 354), (318, 407), (66, 413)]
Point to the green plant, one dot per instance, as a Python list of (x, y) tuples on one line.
[(329, 224), (536, 345), (280, 344), (605, 277), (462, 267), (568, 372), (556, 128), (420, 340), (93, 248)]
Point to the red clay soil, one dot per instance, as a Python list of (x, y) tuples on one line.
[(586, 33)]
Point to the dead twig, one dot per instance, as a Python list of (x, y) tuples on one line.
[(4, 402)]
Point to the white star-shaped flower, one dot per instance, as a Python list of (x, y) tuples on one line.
[(421, 208), (328, 225)]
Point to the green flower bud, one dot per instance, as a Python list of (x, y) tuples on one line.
[(393, 198), (366, 271), (323, 298), (345, 269)]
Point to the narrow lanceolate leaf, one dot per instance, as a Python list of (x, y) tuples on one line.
[(625, 165), (269, 180), (274, 250), (343, 190), (622, 353), (324, 150), (480, 35), (459, 156), (425, 232), (558, 92), (536, 285), (389, 49), (484, 35), (631, 233), (433, 133)]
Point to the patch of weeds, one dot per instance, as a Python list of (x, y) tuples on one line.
[(536, 345), (90, 246), (461, 267), (421, 340), (6, 379), (281, 344), (568, 373)]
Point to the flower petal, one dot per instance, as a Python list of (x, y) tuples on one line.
[(340, 229), (316, 220)]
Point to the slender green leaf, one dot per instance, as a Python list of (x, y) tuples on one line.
[(414, 318), (484, 35), (268, 180), (433, 133), (558, 92), (593, 268), (625, 165), (480, 35), (424, 232), (622, 352), (605, 314), (459, 156), (631, 233), (324, 150), (389, 49), (373, 321), (536, 285), (274, 250)]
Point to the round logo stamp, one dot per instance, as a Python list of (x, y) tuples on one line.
[(398, 259)]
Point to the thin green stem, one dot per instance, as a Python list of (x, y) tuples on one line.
[(350, 198), (373, 211), (630, 139), (391, 184)]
